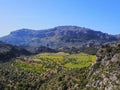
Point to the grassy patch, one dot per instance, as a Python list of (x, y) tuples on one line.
[(30, 67), (80, 61)]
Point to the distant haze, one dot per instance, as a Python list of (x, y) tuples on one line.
[(100, 15)]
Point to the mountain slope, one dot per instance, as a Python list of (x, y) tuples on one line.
[(8, 51), (37, 50), (61, 36), (117, 36)]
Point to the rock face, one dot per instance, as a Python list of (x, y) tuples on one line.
[(105, 73), (57, 37)]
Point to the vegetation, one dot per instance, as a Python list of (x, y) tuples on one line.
[(49, 71), (92, 50)]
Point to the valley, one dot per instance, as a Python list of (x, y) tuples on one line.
[(60, 58), (47, 71)]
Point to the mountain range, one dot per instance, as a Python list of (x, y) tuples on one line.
[(59, 37)]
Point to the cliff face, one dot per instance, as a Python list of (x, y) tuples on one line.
[(105, 73)]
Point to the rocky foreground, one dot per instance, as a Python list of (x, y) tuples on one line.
[(105, 73)]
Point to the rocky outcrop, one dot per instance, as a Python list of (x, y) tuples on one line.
[(105, 73)]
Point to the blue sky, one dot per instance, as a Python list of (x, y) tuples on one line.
[(100, 15)]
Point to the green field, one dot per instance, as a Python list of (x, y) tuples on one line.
[(44, 62)]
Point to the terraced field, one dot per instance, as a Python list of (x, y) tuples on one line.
[(44, 62)]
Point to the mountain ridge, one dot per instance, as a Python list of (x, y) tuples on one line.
[(57, 37)]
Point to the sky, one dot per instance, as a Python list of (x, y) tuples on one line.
[(99, 15)]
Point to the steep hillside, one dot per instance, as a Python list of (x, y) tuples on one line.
[(105, 73), (61, 36), (8, 51)]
